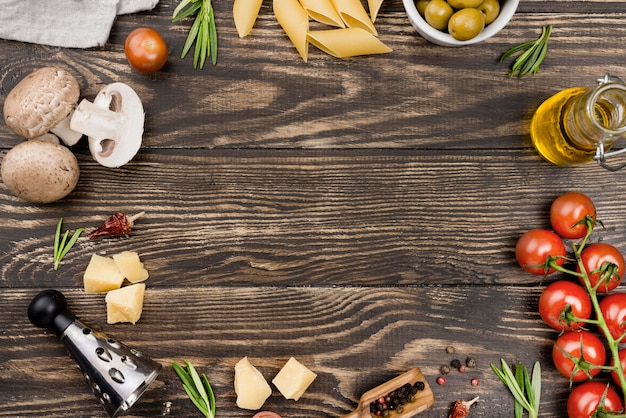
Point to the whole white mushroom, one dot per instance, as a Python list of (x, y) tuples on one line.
[(40, 171)]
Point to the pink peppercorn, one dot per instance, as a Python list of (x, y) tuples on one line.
[(441, 380)]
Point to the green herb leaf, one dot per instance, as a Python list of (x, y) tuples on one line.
[(61, 245), (203, 32), (197, 388), (525, 390), (519, 378), (535, 384), (532, 57)]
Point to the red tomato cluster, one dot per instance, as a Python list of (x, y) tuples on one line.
[(565, 305)]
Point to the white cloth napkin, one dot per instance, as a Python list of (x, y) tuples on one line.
[(64, 23)]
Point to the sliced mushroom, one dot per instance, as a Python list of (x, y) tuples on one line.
[(43, 102), (113, 123)]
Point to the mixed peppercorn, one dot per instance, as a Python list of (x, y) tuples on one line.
[(396, 399)]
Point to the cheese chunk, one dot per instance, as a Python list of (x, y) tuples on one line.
[(102, 275), (125, 304), (131, 267), (250, 386), (293, 379), (114, 316)]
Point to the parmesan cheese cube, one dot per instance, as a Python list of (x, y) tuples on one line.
[(125, 304), (293, 379), (250, 386), (102, 275), (114, 316), (131, 267)]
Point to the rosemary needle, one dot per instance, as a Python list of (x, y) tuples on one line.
[(197, 388), (61, 245), (525, 389), (534, 53), (203, 31)]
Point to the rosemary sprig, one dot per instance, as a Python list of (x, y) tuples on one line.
[(198, 388), (202, 32), (61, 245), (532, 57), (525, 390)]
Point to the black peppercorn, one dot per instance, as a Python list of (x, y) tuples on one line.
[(471, 362), (456, 363)]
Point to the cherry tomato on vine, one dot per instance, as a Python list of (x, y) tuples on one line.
[(580, 345), (613, 308), (593, 258), (534, 247), (622, 360), (560, 299), (145, 50), (584, 399), (567, 211)]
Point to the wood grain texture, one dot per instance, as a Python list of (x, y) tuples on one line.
[(358, 214), (354, 338)]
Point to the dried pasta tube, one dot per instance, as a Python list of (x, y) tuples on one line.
[(347, 42), (323, 11), (295, 22), (245, 13), (353, 13), (374, 6)]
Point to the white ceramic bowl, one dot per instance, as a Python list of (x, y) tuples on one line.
[(507, 10)]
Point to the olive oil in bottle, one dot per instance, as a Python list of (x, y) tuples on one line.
[(569, 127)]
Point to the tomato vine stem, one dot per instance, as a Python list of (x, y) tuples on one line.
[(600, 321)]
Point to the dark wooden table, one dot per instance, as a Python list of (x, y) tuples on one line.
[(358, 214)]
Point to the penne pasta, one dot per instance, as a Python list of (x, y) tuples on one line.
[(323, 11), (354, 15), (374, 6), (245, 13), (294, 20), (347, 42)]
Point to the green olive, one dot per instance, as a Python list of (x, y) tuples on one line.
[(491, 10), (462, 4), (466, 24), (437, 14), (421, 6)]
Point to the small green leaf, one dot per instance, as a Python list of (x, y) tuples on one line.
[(198, 388), (203, 32), (534, 53), (519, 384), (61, 245)]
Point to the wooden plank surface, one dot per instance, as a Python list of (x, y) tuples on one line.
[(357, 214)]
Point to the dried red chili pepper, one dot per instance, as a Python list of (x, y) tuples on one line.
[(461, 409), (117, 225)]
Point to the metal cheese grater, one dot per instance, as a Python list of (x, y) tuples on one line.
[(117, 374)]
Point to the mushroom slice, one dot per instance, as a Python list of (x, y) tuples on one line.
[(41, 102), (113, 124)]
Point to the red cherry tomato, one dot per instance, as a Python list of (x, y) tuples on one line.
[(584, 399), (579, 344), (534, 247), (145, 50), (266, 414), (561, 298), (613, 308), (622, 360), (567, 211), (593, 258)]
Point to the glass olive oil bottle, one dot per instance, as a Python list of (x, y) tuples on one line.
[(569, 127)]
